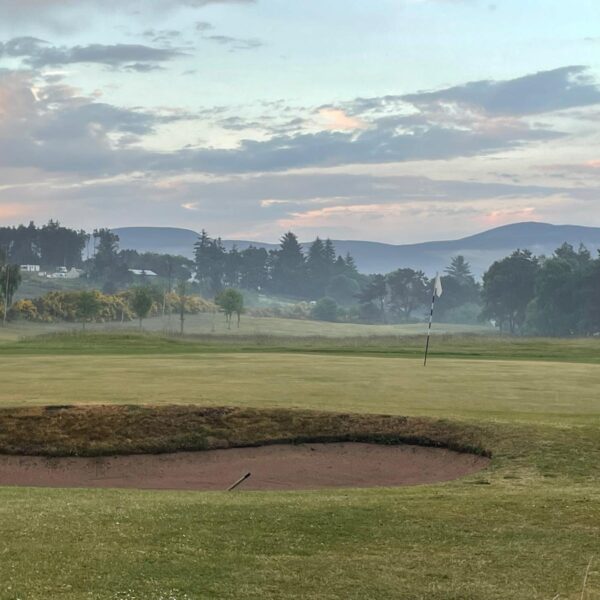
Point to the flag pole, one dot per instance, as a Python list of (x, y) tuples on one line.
[(437, 291)]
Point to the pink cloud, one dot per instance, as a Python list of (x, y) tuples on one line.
[(500, 217), (336, 119)]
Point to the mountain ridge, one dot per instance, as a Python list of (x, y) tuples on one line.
[(480, 249)]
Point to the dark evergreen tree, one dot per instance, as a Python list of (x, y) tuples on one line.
[(210, 259), (288, 275), (254, 269), (461, 300), (317, 269), (107, 264)]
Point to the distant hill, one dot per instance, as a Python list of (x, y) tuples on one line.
[(374, 257)]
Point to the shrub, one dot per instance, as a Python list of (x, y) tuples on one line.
[(326, 309), (23, 309)]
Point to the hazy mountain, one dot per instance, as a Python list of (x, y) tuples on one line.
[(375, 257)]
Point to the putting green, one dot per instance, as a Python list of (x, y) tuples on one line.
[(541, 392)]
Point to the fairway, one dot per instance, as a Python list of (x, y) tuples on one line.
[(524, 528)]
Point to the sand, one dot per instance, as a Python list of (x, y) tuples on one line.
[(274, 467)]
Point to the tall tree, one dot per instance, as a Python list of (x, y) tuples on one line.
[(459, 269), (560, 301), (10, 279), (254, 274), (317, 269), (181, 301), (408, 290), (108, 265), (233, 267), (210, 258), (462, 294), (60, 246), (508, 288), (289, 267), (375, 293)]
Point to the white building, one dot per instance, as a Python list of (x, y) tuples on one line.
[(30, 268), (63, 273), (143, 272)]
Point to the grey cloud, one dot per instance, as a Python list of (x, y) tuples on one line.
[(58, 130), (203, 26), (388, 138), (203, 3), (143, 67), (379, 144), (545, 91), (234, 43), (162, 36), (37, 53)]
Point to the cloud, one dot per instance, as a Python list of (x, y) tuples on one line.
[(384, 141), (59, 130), (545, 91), (311, 203), (55, 129), (38, 53), (203, 26), (337, 120), (203, 3), (27, 6), (234, 43)]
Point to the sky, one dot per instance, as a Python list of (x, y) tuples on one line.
[(391, 120)]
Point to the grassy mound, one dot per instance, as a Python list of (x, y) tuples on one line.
[(101, 430)]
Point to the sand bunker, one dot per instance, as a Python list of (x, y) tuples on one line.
[(275, 467)]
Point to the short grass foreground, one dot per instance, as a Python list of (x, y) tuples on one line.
[(528, 527)]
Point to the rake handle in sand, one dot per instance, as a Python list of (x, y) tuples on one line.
[(240, 480)]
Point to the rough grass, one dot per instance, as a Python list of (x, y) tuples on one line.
[(460, 345), (102, 430), (214, 325)]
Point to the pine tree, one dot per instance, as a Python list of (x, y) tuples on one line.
[(210, 259), (351, 268), (316, 266), (289, 267), (460, 269)]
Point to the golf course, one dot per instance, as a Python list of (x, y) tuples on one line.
[(527, 525)]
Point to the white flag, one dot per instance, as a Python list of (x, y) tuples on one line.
[(438, 285)]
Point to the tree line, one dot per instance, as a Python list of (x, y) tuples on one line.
[(555, 296), (520, 294), (287, 271), (51, 245)]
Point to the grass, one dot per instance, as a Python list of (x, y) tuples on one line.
[(105, 430), (525, 528), (462, 345), (209, 324), (510, 391)]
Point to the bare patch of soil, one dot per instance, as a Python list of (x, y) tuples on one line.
[(273, 467)]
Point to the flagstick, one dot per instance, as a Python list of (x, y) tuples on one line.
[(429, 328), (437, 291)]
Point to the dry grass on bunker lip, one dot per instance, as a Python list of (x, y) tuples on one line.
[(124, 429)]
